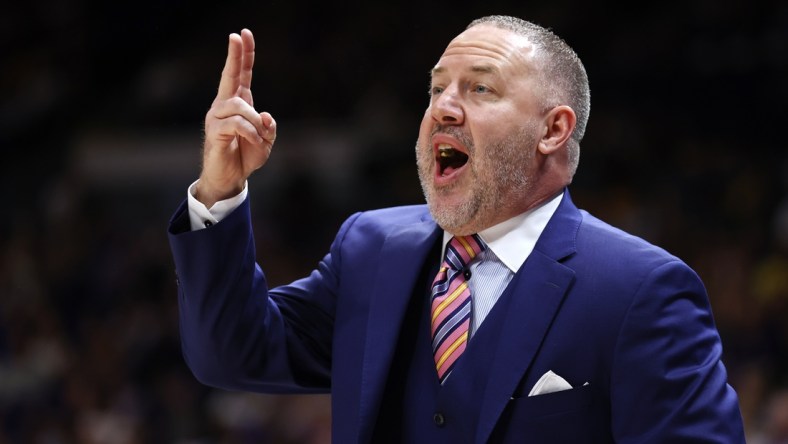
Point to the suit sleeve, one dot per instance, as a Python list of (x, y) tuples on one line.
[(668, 383), (235, 333)]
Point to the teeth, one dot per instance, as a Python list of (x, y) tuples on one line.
[(445, 150), (449, 159)]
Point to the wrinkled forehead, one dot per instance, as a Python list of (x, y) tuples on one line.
[(493, 45)]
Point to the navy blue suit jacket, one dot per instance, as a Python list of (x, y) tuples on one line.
[(592, 303)]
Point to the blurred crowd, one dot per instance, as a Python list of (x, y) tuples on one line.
[(100, 133)]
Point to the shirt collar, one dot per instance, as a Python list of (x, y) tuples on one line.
[(513, 239)]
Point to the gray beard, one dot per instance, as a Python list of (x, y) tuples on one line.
[(495, 181)]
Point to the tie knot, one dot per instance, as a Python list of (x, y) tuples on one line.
[(462, 249)]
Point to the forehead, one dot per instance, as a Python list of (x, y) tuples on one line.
[(488, 45)]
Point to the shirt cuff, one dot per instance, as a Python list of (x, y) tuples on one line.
[(202, 217)]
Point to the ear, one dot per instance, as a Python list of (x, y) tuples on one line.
[(559, 126)]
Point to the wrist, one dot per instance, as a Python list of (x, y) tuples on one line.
[(208, 194)]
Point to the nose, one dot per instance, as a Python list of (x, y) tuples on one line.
[(447, 108)]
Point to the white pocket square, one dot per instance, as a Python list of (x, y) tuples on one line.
[(549, 383)]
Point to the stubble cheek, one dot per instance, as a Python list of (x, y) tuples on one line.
[(424, 168), (425, 128), (424, 158)]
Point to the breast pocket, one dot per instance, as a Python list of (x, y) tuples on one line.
[(555, 403), (558, 417)]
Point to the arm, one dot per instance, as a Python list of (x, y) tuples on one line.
[(668, 383), (236, 334)]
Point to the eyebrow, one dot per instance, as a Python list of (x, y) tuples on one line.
[(482, 69)]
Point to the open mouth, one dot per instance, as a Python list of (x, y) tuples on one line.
[(450, 159)]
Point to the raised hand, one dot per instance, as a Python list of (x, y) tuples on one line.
[(238, 139)]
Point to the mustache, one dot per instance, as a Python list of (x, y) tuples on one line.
[(455, 132)]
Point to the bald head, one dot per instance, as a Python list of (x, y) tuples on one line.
[(561, 75)]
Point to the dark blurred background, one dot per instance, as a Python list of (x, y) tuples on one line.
[(101, 108)]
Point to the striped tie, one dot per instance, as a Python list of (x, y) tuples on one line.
[(451, 303)]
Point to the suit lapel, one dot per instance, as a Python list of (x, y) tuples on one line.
[(540, 287), (401, 260), (536, 298)]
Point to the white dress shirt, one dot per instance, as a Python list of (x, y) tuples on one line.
[(509, 245), (202, 217)]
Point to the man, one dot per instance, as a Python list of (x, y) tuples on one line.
[(498, 313)]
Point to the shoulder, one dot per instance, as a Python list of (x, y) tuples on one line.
[(401, 215), (374, 226), (598, 238), (580, 238), (386, 219), (615, 259), (408, 230)]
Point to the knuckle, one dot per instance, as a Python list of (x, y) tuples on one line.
[(237, 120), (237, 102)]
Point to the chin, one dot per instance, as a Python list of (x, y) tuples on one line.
[(454, 217)]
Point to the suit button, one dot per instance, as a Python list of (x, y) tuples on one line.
[(439, 419)]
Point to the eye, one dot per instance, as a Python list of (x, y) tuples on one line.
[(481, 89), (435, 90)]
